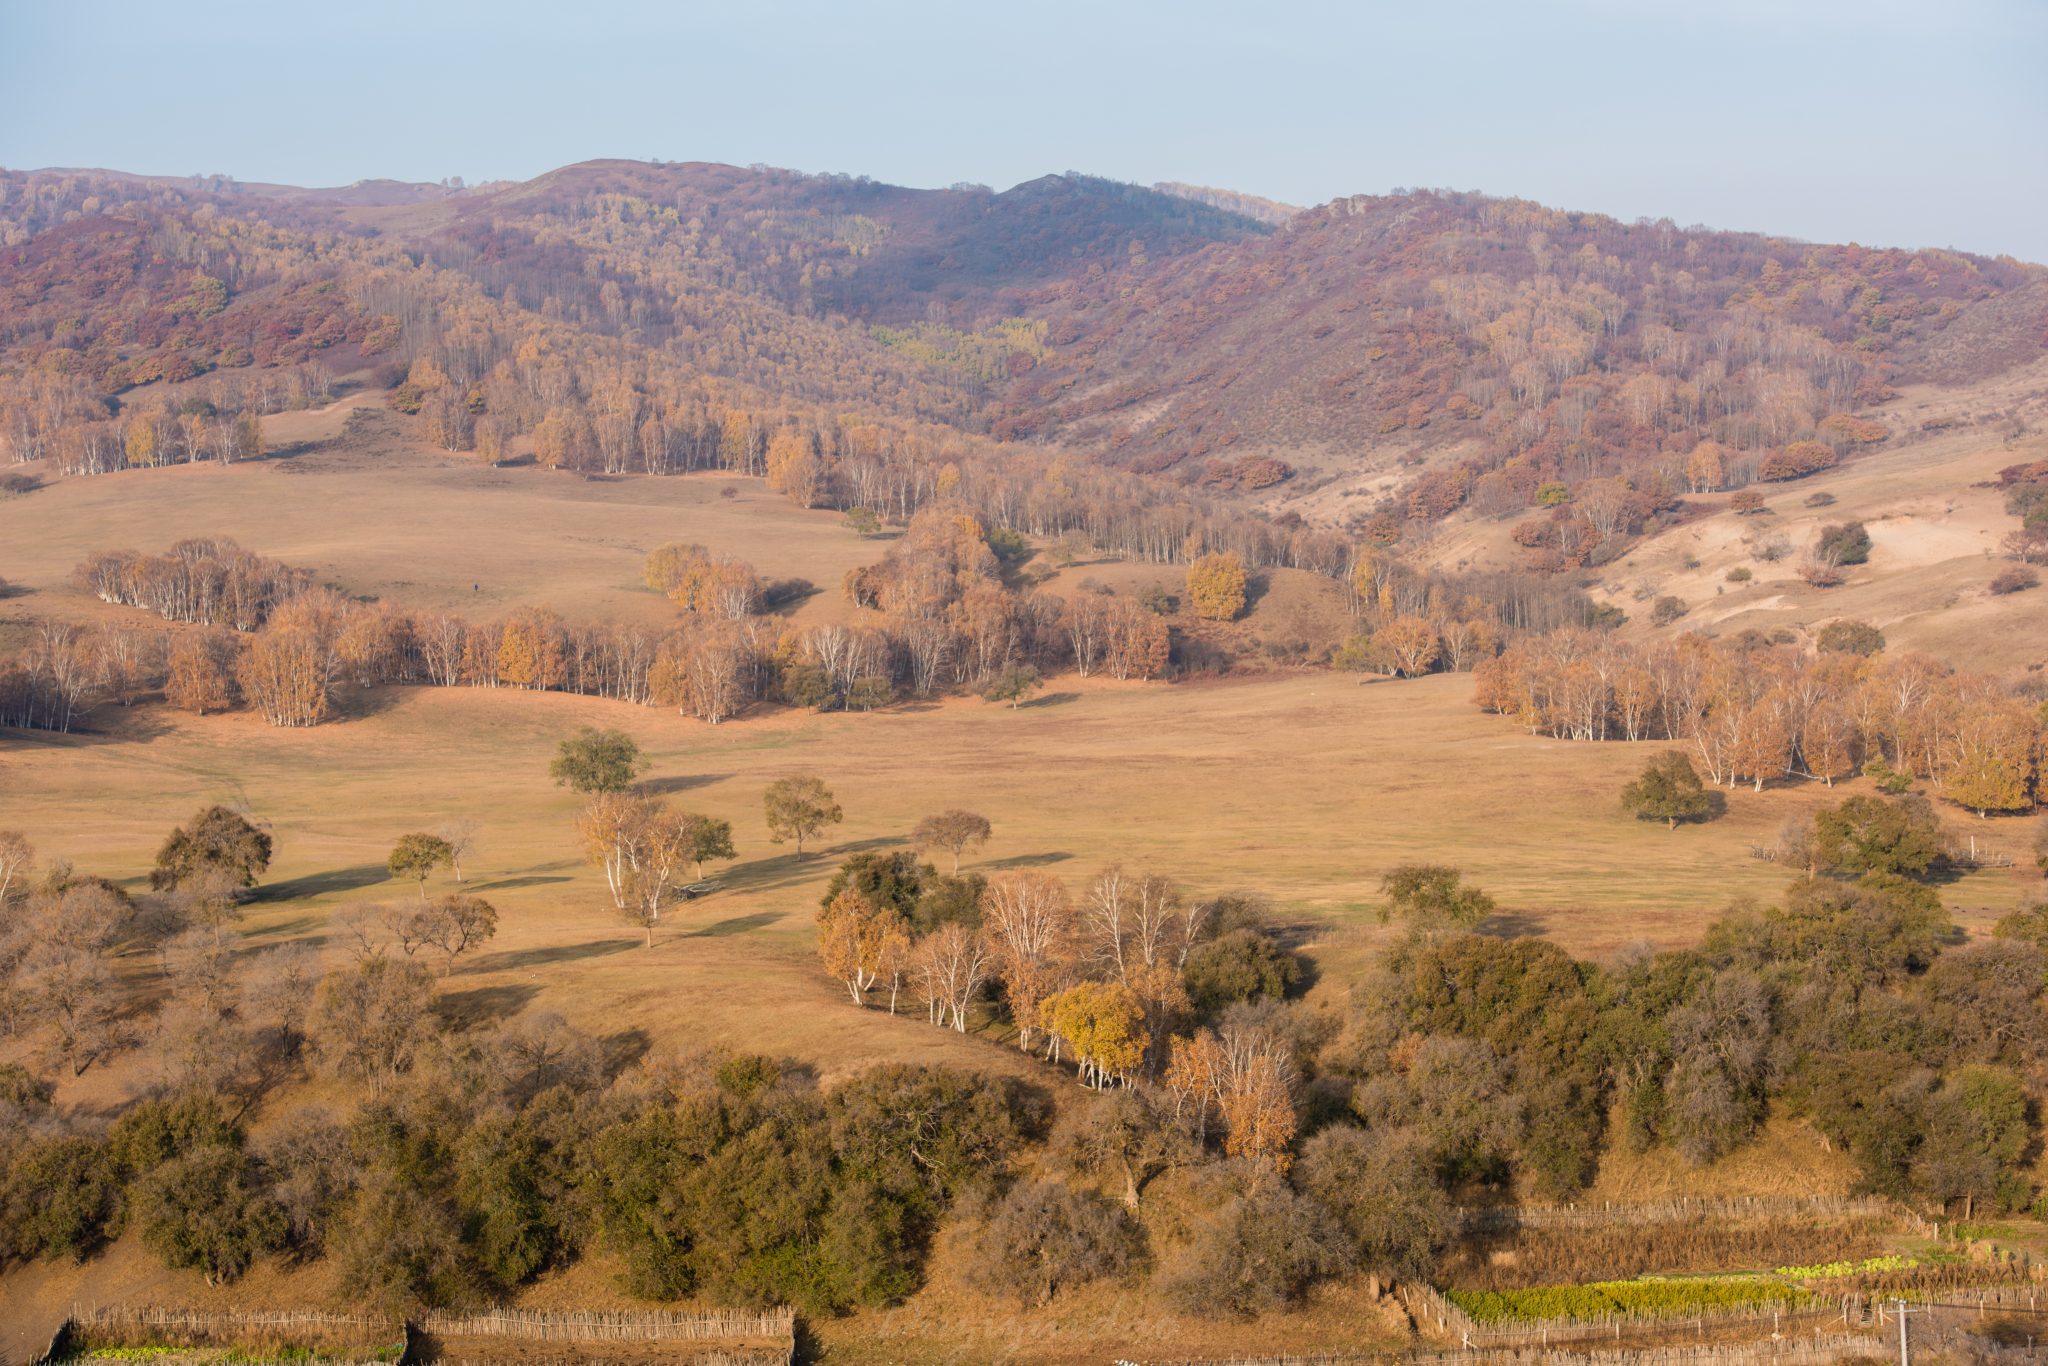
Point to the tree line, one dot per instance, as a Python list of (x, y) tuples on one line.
[(1751, 710), (1851, 1004), (1224, 1142)]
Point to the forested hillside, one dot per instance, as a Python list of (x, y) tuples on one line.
[(1155, 332)]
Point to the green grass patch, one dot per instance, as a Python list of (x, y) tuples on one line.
[(1646, 1299), (1824, 1270), (1976, 1232)]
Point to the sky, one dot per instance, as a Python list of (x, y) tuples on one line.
[(1882, 122)]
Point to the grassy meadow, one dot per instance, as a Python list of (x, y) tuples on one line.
[(1300, 784)]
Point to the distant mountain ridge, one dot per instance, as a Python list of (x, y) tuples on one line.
[(1250, 205), (1176, 332), (358, 194)]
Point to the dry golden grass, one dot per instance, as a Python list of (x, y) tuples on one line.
[(1304, 785), (1935, 538), (393, 519)]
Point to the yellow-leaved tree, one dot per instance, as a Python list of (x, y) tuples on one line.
[(1216, 586), (1994, 756), (1103, 1023)]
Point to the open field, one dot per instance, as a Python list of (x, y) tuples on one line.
[(1300, 784), (380, 515)]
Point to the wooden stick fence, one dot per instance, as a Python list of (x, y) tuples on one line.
[(597, 1326), (152, 1316), (714, 1356), (1506, 1217), (1429, 1306), (1816, 1351)]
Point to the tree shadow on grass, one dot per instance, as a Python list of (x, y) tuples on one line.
[(360, 704), (287, 929), (1512, 925), (623, 1049), (1029, 860), (1051, 699), (857, 847), (506, 884), (739, 924), (560, 953), (484, 1005), (320, 884), (682, 782)]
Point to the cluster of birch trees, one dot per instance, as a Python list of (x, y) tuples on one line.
[(1749, 711)]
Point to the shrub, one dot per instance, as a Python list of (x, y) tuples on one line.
[(1797, 460), (398, 1247), (217, 838), (1740, 574), (1821, 574), (62, 1198), (1242, 965), (1848, 543), (1668, 790), (158, 1131), (1258, 1253), (1666, 610), (203, 1210), (1045, 1236), (1850, 638), (1819, 499), (1747, 502), (1842, 427), (2014, 580), (780, 591), (1384, 1194)]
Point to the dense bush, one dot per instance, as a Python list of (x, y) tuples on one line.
[(2014, 580), (1850, 638), (1045, 1236), (207, 1209), (1240, 965), (1257, 1251)]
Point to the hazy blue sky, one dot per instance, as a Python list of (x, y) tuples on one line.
[(1909, 124)]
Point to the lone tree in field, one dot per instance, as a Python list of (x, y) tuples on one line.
[(457, 924), (1216, 586), (417, 855), (218, 839), (1668, 790), (798, 809), (709, 837), (597, 761), (952, 831), (461, 837), (1015, 683), (1431, 895)]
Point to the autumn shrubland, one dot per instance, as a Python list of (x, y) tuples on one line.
[(1317, 784), (1159, 893)]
